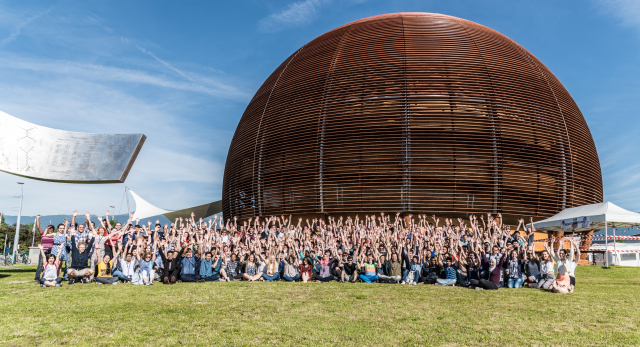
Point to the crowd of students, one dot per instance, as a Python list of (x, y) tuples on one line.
[(379, 248)]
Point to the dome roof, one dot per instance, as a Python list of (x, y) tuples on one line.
[(414, 112)]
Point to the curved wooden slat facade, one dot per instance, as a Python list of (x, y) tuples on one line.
[(413, 112)]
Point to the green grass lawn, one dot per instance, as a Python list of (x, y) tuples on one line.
[(602, 311)]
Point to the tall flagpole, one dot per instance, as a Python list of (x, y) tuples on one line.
[(17, 236)]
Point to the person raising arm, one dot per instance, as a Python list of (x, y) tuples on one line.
[(50, 270)]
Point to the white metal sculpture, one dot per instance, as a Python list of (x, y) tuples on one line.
[(42, 153)]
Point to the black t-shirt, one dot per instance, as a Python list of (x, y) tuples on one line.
[(349, 269)]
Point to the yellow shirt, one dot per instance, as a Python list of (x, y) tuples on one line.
[(102, 269)]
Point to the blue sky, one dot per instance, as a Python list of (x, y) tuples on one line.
[(183, 72)]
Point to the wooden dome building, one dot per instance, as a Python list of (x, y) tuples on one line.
[(416, 113)]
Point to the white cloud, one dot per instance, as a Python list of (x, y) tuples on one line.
[(206, 85), (168, 165), (295, 14), (15, 32), (628, 11)]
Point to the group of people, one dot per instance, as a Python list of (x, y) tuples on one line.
[(378, 248)]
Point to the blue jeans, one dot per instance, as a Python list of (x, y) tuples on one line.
[(273, 277), (120, 275), (515, 282), (190, 277), (291, 279), (416, 275), (369, 279), (212, 278), (445, 281)]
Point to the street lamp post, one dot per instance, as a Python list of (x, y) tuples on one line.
[(15, 241)]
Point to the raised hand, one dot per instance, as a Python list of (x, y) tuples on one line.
[(75, 213)]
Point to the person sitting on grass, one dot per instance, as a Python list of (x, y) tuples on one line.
[(323, 267), (291, 272), (431, 274), (170, 268), (368, 272), (147, 261), (449, 272), (104, 275), (50, 270), (126, 268), (79, 258), (271, 269), (562, 284), (533, 269), (349, 271), (546, 270), (514, 270), (412, 274), (251, 272), (188, 263), (233, 269), (495, 268), (210, 267), (47, 244), (305, 270)]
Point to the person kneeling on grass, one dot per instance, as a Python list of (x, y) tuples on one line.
[(104, 270), (79, 259), (368, 273), (50, 270)]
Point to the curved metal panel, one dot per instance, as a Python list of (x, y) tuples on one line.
[(42, 153), (413, 112)]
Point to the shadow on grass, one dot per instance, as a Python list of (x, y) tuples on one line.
[(10, 271)]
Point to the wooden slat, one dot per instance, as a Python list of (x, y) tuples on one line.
[(412, 112)]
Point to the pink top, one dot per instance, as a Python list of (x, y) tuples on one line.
[(47, 242)]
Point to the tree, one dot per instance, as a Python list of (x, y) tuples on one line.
[(25, 235)]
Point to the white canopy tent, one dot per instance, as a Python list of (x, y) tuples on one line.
[(145, 209), (604, 215)]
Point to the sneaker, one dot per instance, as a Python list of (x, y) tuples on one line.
[(228, 280), (114, 283), (478, 288), (415, 284), (42, 285), (72, 281), (402, 282), (84, 281), (150, 283), (201, 280), (98, 283), (58, 285), (37, 282)]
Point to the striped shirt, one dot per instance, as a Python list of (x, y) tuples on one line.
[(47, 242)]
